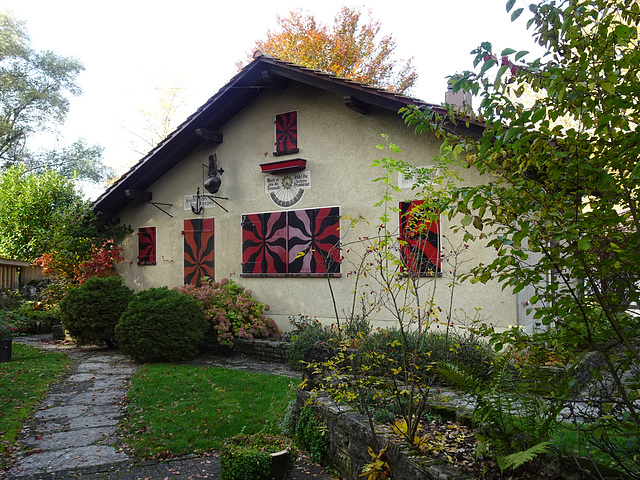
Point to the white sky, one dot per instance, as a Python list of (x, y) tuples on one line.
[(132, 47)]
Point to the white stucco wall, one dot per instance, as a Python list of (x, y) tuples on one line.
[(339, 146)]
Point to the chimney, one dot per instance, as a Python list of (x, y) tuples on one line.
[(460, 100)]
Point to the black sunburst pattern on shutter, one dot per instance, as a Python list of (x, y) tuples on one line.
[(287, 132), (147, 246), (198, 250)]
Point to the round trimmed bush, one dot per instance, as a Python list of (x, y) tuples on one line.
[(91, 311), (161, 325)]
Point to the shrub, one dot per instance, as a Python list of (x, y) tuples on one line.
[(435, 348), (287, 424), (91, 311), (477, 355), (10, 299), (306, 333), (356, 327), (39, 316), (247, 457), (232, 311), (385, 341), (311, 434), (161, 325), (11, 321), (11, 324)]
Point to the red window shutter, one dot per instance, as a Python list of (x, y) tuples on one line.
[(264, 243), (419, 239), (287, 132), (147, 246), (292, 243), (198, 250), (316, 232)]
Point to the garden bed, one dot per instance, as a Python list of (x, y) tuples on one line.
[(349, 437), (451, 453)]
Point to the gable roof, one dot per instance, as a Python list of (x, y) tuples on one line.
[(263, 73)]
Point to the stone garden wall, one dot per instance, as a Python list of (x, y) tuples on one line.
[(350, 436), (265, 350), (349, 431)]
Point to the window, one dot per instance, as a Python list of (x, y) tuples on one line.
[(286, 133), (147, 246), (419, 239), (297, 243)]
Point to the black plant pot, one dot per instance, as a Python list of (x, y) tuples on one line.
[(5, 350)]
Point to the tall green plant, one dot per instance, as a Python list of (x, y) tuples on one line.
[(386, 284), (39, 213), (560, 199)]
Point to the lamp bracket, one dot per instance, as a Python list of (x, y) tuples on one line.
[(156, 204)]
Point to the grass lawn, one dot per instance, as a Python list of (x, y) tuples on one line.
[(23, 382), (179, 409)]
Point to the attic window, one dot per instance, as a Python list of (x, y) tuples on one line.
[(286, 133)]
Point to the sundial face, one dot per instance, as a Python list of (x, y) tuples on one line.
[(288, 194)]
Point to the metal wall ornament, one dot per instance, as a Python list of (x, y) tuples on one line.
[(211, 184)]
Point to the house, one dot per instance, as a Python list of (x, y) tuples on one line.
[(257, 184)]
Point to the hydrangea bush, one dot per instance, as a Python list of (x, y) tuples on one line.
[(232, 311)]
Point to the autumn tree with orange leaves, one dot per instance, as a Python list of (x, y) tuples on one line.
[(347, 49)]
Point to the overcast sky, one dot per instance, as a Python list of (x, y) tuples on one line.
[(130, 48)]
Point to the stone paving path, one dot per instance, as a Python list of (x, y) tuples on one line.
[(76, 425), (74, 433)]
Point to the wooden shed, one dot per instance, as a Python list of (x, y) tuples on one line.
[(14, 273)]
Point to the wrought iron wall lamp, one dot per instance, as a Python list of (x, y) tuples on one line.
[(211, 184)]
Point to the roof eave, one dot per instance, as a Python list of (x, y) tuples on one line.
[(263, 73)]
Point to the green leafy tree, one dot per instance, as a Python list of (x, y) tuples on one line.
[(347, 49), (34, 91), (560, 200), (78, 161), (39, 213)]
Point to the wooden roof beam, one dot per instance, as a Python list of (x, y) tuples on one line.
[(273, 80), (356, 105), (138, 195), (210, 135)]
